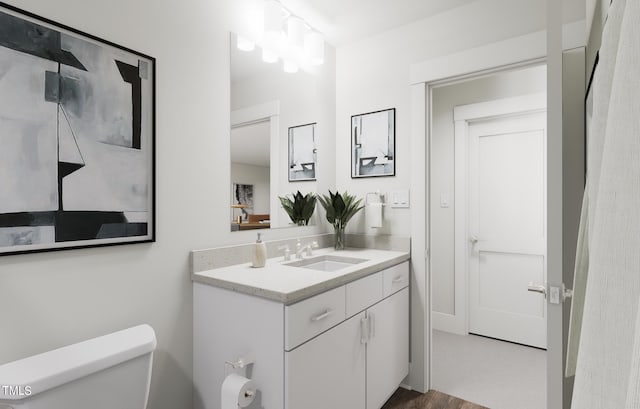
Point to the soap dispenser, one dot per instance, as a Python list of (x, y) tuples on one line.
[(259, 253)]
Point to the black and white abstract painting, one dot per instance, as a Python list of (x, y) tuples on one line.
[(302, 153), (373, 144), (243, 199), (77, 161)]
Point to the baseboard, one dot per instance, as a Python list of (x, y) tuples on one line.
[(448, 323)]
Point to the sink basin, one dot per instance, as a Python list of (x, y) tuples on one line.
[(327, 262)]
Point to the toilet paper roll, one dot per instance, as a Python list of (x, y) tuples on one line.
[(237, 392), (373, 215)]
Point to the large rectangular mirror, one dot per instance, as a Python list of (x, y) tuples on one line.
[(270, 108)]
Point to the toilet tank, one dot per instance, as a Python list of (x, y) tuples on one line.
[(112, 371)]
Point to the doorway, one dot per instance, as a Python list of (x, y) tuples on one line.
[(488, 221)]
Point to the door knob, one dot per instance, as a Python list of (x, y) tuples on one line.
[(473, 239), (537, 288)]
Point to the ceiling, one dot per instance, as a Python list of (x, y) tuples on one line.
[(251, 144), (346, 21)]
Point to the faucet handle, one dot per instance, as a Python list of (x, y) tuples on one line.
[(286, 251), (310, 247)]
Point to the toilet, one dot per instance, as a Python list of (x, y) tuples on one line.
[(112, 371)]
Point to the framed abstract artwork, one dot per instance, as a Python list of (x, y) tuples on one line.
[(243, 200), (77, 138), (302, 153), (373, 144)]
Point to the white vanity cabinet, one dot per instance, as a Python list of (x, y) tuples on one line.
[(360, 362), (347, 347)]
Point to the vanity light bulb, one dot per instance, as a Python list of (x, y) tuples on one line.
[(273, 14), (245, 44), (314, 47), (269, 56), (295, 32), (290, 67)]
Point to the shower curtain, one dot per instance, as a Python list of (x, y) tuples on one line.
[(608, 359)]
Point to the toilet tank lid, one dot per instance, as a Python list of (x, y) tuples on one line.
[(54, 368)]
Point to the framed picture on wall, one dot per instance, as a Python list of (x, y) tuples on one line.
[(77, 137), (302, 153), (373, 144)]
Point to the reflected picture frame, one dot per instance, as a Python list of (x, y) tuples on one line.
[(303, 153), (373, 140)]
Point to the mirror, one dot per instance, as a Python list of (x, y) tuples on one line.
[(302, 153), (269, 109)]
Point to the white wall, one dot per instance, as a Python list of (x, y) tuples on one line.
[(373, 74), (48, 300), (258, 176), (445, 98)]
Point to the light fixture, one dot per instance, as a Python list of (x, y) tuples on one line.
[(273, 14), (269, 56), (244, 43), (272, 46), (314, 47), (290, 67), (298, 45), (295, 31)]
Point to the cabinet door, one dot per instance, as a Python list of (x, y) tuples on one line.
[(329, 370), (388, 347)]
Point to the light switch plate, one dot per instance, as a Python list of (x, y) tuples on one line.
[(399, 198)]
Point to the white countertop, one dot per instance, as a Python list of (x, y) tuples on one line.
[(280, 282)]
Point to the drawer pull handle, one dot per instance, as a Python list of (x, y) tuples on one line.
[(396, 280), (322, 316)]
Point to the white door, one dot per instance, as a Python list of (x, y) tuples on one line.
[(507, 227), (388, 348)]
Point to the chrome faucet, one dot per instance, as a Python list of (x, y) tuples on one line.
[(307, 249), (286, 252)]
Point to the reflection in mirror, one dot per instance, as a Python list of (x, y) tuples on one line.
[(373, 144), (250, 169), (263, 95), (302, 153)]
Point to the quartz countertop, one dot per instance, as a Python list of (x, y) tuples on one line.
[(287, 284)]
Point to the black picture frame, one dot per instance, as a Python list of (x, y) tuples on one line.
[(384, 162), (91, 144), (307, 173)]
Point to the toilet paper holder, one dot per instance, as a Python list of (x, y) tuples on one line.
[(240, 363)]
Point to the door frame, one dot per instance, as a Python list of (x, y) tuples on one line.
[(516, 52), (459, 322)]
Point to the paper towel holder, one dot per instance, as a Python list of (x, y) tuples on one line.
[(376, 193)]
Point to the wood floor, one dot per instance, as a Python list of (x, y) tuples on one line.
[(404, 399)]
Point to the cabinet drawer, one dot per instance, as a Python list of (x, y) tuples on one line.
[(313, 316), (363, 293), (395, 278)]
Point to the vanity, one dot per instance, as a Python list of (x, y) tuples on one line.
[(328, 331)]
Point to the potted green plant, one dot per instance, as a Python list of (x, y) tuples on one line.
[(300, 209), (340, 208)]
